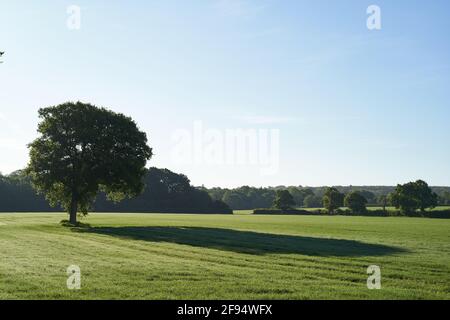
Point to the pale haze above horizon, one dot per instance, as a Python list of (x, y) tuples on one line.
[(335, 102)]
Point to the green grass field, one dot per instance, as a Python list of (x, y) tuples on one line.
[(168, 256)]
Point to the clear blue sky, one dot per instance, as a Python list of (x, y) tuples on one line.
[(352, 106)]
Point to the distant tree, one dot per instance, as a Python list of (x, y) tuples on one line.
[(84, 149), (412, 196), (333, 200), (356, 202), (312, 201), (383, 201), (283, 200)]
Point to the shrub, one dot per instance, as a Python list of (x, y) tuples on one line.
[(280, 212)]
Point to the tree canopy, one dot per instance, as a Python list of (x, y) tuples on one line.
[(412, 196), (83, 149), (166, 192), (356, 202), (333, 199), (283, 200)]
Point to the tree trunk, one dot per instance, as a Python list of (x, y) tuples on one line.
[(73, 210)]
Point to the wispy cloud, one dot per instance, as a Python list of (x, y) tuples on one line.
[(239, 8)]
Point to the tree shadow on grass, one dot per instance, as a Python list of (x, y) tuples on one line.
[(246, 241)]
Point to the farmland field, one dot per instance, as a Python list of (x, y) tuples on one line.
[(174, 256)]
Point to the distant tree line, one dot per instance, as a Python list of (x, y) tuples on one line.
[(410, 199), (247, 198), (165, 192), (17, 195)]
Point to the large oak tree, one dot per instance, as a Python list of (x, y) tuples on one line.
[(83, 149)]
